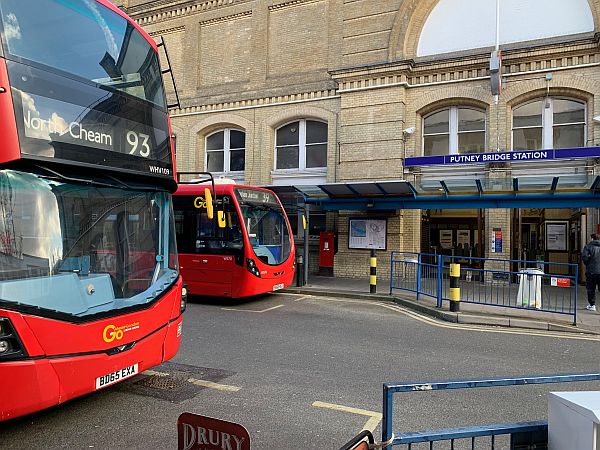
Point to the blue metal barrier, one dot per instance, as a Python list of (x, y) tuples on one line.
[(470, 433), (416, 272), (520, 284)]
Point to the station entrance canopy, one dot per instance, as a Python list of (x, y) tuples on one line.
[(568, 191)]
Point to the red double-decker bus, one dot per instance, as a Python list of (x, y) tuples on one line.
[(90, 292), (244, 248)]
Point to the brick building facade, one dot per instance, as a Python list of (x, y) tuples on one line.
[(274, 69)]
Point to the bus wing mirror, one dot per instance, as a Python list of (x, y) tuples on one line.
[(221, 219), (209, 203)]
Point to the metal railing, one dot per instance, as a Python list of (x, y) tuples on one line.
[(420, 273), (522, 434), (520, 284)]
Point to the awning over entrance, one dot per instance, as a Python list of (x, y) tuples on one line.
[(568, 191)]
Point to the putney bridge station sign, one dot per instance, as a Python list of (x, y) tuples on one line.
[(514, 156)]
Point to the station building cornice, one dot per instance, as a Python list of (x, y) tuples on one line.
[(302, 97), (163, 10), (470, 67)]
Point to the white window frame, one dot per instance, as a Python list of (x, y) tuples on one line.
[(453, 128), (226, 150), (548, 121), (301, 146)]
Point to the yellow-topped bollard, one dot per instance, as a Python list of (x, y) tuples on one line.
[(454, 287)]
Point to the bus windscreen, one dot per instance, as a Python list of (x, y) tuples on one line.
[(78, 250), (266, 225)]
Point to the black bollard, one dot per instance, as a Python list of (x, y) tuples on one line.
[(373, 277), (300, 271)]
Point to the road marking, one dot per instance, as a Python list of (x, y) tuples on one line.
[(211, 385), (449, 325), (252, 310), (464, 327), (304, 297), (203, 383), (371, 424), (152, 372)]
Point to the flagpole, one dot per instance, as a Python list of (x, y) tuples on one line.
[(496, 97)]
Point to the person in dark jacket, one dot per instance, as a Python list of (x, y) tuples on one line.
[(591, 258)]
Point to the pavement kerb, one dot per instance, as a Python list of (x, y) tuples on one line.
[(463, 318)]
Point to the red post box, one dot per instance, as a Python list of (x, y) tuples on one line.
[(326, 253)]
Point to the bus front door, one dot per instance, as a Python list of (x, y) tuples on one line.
[(207, 275)]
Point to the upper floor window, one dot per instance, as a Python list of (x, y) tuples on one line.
[(226, 151), (549, 123), (454, 130), (301, 145)]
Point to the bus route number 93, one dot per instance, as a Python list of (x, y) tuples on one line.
[(139, 143)]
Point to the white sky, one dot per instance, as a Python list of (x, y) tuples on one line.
[(456, 25)]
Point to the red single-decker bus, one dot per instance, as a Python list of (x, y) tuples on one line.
[(245, 250)]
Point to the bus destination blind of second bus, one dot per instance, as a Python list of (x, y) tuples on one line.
[(256, 197)]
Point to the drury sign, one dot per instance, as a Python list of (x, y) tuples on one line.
[(196, 432), (514, 156)]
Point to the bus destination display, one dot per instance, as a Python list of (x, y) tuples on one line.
[(83, 123), (256, 197), (53, 124)]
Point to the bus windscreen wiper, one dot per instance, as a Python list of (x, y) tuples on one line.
[(108, 180)]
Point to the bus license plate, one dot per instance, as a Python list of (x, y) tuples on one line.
[(114, 377), (278, 286)]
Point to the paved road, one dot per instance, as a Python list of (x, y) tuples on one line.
[(300, 371)]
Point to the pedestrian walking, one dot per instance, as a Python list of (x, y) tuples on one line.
[(591, 258)]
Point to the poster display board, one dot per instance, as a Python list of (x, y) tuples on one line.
[(556, 236), (463, 237), (496, 242), (446, 241), (368, 234)]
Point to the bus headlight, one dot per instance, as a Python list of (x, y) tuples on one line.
[(184, 294), (11, 346), (251, 266)]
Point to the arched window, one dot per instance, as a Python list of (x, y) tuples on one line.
[(301, 145), (457, 25), (226, 151), (549, 123), (454, 130)]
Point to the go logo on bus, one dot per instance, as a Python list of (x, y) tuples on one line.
[(112, 332), (200, 203)]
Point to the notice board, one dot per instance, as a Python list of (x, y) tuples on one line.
[(368, 234)]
